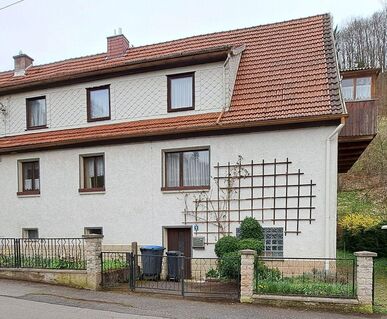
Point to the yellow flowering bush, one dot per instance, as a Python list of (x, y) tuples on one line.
[(356, 222)]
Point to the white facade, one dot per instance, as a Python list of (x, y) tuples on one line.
[(134, 208)]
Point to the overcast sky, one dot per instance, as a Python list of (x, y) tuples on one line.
[(52, 30)]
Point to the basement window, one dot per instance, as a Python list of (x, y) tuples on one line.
[(93, 231), (274, 241), (30, 233)]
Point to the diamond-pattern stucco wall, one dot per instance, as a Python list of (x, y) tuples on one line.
[(133, 97)]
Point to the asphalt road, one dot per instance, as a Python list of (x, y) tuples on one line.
[(28, 300), (21, 309)]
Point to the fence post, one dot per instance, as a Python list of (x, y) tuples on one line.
[(93, 252), (17, 253), (364, 278), (134, 247), (247, 275)]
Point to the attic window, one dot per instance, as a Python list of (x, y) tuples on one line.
[(98, 103), (36, 113), (181, 92)]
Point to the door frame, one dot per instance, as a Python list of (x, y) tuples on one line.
[(165, 235)]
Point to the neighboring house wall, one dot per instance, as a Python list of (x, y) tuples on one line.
[(135, 209), (133, 97)]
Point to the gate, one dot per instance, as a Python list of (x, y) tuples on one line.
[(177, 275), (116, 269)]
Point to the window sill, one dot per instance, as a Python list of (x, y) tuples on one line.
[(28, 194), (185, 189), (99, 119), (360, 100), (181, 109), (89, 191), (32, 128)]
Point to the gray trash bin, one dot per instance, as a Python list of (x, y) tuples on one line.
[(174, 265), (151, 260)]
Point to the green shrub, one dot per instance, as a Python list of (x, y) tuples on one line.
[(212, 273), (262, 272), (251, 243), (226, 245), (371, 239), (229, 265), (250, 228)]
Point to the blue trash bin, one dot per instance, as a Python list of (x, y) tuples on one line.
[(151, 259)]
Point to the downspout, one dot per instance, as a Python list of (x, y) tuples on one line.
[(327, 186), (224, 81)]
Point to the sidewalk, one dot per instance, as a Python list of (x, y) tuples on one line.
[(75, 303)]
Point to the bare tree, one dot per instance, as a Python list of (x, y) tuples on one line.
[(362, 42)]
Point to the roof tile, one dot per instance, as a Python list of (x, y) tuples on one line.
[(288, 70)]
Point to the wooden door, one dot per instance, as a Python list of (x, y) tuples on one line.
[(179, 239)]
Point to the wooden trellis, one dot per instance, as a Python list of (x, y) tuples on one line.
[(272, 192)]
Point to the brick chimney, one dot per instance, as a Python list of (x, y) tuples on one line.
[(117, 45), (22, 62)]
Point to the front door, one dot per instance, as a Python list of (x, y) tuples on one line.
[(179, 239)]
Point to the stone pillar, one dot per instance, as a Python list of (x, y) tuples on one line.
[(247, 275), (364, 277), (93, 249)]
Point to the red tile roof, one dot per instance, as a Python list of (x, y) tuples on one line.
[(288, 71)]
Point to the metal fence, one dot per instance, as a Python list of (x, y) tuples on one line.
[(116, 268), (178, 275), (43, 253), (317, 277)]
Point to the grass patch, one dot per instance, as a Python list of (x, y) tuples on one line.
[(355, 202), (304, 286), (381, 285)]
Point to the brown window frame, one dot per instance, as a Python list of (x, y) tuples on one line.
[(28, 113), (97, 88), (181, 171), (178, 76), (84, 189), (354, 83), (33, 191)]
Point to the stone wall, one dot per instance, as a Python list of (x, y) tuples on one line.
[(88, 279), (65, 277)]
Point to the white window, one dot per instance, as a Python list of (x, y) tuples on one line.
[(274, 241)]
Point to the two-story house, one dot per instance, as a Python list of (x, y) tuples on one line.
[(175, 143)]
